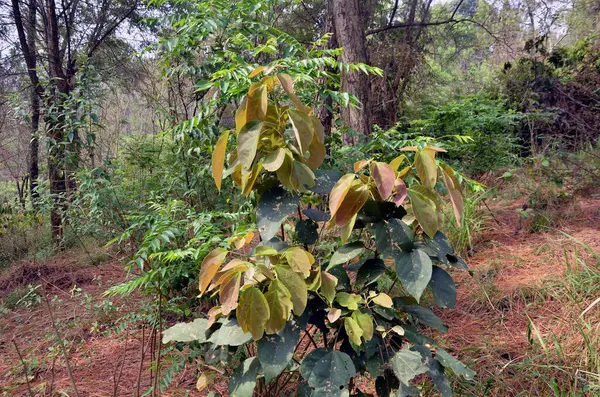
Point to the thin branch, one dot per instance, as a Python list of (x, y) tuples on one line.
[(393, 14), (25, 367)]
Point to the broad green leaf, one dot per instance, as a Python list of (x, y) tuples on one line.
[(369, 272), (210, 266), (230, 334), (280, 304), (441, 382), (218, 159), (458, 367), (443, 288), (299, 260), (401, 235), (425, 211), (253, 312), (247, 141), (274, 159), (229, 292), (384, 178), (257, 102), (347, 300), (407, 365), (353, 330), (263, 250), (302, 177), (339, 192), (325, 180), (303, 129), (273, 207), (243, 381), (345, 253), (328, 284), (307, 231), (425, 316), (365, 322), (275, 351), (187, 332), (426, 167), (297, 287), (383, 300), (355, 198), (454, 192), (414, 271), (327, 371)]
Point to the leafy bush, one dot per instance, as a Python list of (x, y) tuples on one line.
[(283, 287), (489, 125)]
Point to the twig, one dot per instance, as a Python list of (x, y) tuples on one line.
[(311, 338), (24, 367), (62, 346), (143, 350)]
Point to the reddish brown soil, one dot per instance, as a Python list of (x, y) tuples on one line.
[(488, 327), (487, 330)]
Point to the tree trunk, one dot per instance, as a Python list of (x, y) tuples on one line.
[(34, 145), (349, 23), (56, 125)]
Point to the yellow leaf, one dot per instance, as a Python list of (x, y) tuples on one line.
[(354, 200), (397, 162), (328, 284), (360, 164), (383, 300), (274, 159), (317, 153), (346, 230), (409, 149), (334, 314), (288, 86), (253, 312), (280, 306), (338, 193), (435, 149), (353, 330), (213, 314), (284, 172), (209, 267), (248, 179), (229, 292), (456, 196), (318, 128), (297, 287), (256, 105), (204, 379), (256, 71), (218, 158), (247, 141), (425, 210), (426, 167), (365, 322), (240, 116), (298, 260), (303, 129)]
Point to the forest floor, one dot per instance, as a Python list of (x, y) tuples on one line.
[(512, 287)]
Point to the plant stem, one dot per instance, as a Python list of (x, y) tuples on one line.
[(62, 346), (24, 367)]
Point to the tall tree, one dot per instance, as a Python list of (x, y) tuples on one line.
[(69, 34), (349, 21)]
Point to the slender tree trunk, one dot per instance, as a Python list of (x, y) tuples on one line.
[(325, 111), (349, 23), (34, 145)]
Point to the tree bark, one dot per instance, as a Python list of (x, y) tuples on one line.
[(349, 20), (26, 34)]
